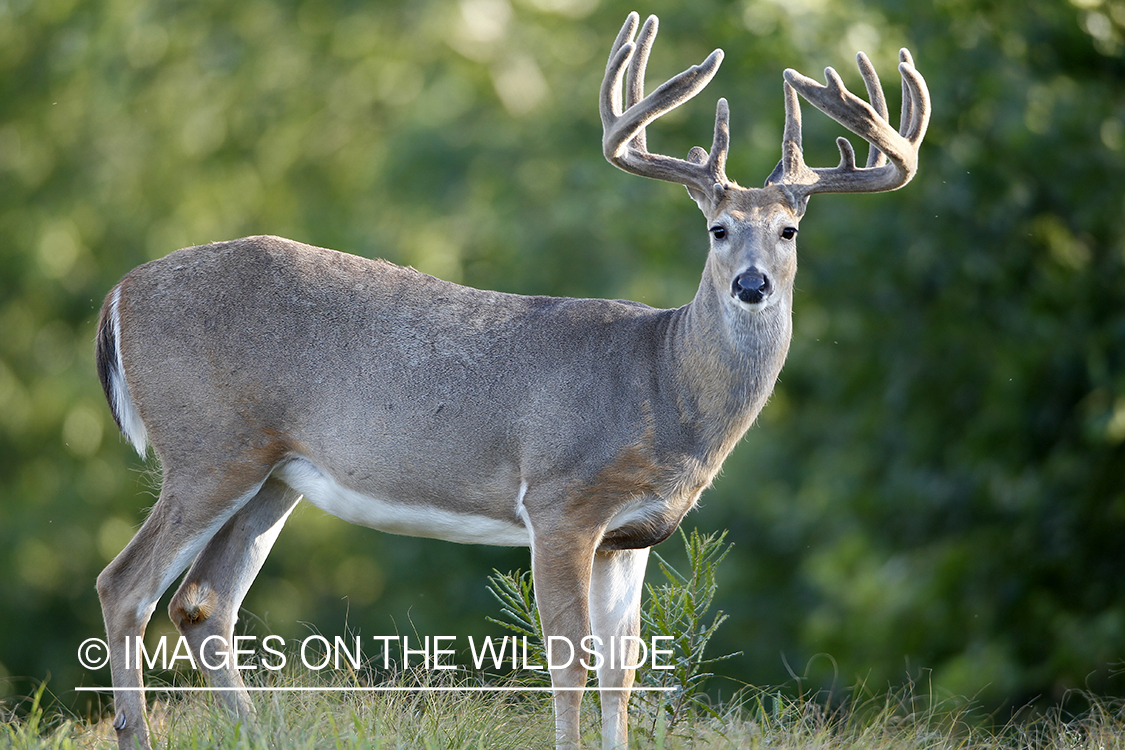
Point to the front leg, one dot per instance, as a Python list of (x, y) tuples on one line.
[(615, 615), (560, 566)]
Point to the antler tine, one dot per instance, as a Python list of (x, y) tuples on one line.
[(915, 100), (875, 157), (869, 121), (720, 142), (792, 158), (609, 104), (623, 136), (635, 73), (907, 103)]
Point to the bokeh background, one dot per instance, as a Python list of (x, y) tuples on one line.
[(936, 491)]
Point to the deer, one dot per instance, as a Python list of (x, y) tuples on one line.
[(261, 371)]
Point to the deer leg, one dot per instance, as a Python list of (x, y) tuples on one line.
[(615, 617), (205, 608), (560, 567), (189, 512)]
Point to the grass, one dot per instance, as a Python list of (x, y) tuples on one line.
[(679, 607), (309, 720), (433, 721)]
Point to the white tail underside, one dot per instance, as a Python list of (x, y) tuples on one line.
[(123, 406)]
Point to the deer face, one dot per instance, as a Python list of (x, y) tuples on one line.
[(753, 259)]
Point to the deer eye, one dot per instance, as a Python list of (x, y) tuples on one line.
[(788, 233), (718, 231)]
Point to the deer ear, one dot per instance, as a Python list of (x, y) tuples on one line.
[(799, 200), (698, 155), (776, 174), (709, 200), (699, 197)]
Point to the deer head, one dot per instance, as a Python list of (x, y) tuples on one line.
[(752, 230)]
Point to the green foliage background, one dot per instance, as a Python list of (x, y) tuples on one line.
[(937, 489)]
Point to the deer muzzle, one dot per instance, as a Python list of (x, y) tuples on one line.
[(751, 286)]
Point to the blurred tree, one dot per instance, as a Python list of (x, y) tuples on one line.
[(937, 484)]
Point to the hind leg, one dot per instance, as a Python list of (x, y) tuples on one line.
[(205, 608), (191, 510)]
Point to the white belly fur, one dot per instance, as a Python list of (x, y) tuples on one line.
[(395, 517)]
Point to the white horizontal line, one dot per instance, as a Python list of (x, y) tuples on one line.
[(289, 689)]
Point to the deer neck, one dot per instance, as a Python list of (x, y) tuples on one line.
[(726, 361)]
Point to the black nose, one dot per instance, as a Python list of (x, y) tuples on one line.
[(751, 286)]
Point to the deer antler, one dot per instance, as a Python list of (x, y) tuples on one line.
[(623, 136), (869, 121)]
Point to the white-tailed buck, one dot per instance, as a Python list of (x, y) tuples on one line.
[(263, 370)]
